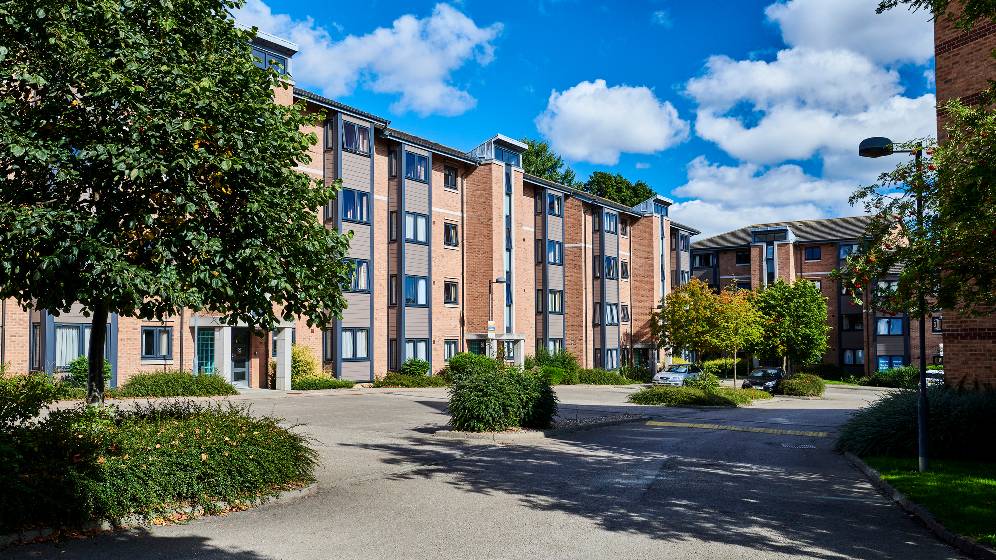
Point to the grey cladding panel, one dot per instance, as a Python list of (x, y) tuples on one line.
[(416, 259), (359, 246), (417, 322), (357, 312), (355, 171)]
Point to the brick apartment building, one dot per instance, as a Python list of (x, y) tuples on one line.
[(453, 249), (963, 67), (753, 257)]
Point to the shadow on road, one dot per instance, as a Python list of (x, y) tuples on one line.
[(135, 543)]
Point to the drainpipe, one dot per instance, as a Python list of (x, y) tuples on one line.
[(3, 333), (182, 333)]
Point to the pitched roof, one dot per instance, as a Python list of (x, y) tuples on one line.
[(681, 226), (805, 231), (333, 104), (402, 136), (578, 193)]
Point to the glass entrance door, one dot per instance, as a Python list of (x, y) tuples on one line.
[(240, 356)]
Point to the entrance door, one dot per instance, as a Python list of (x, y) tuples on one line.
[(240, 357)]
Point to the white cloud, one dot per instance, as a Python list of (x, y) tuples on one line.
[(661, 18), (414, 58), (729, 197), (595, 123), (896, 35), (642, 165)]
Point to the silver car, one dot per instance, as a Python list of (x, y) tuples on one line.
[(676, 374)]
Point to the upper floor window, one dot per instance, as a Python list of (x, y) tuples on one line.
[(611, 222), (660, 209), (265, 59), (157, 343), (555, 301), (554, 205), (936, 324), (624, 269), (624, 312), (684, 241), (743, 257), (355, 138), (416, 294), (611, 314), (451, 292), (392, 290), (702, 260), (555, 252), (416, 228), (360, 281), (451, 234), (847, 249), (416, 167), (354, 206), (624, 228), (852, 322), (813, 253), (392, 225), (611, 268), (889, 326), (507, 156), (392, 163), (450, 177)]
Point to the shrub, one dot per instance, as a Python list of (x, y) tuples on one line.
[(637, 373), (704, 381), (723, 367), (415, 367), (87, 463), (466, 363), (693, 396), (539, 402), (22, 397), (599, 376), (905, 377), (800, 385), (315, 383), (303, 362), (554, 375), (888, 425), (176, 384), (394, 379), (562, 359), (79, 373), (493, 397)]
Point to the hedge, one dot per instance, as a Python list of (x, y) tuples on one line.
[(562, 359), (316, 383), (394, 379), (175, 384), (79, 373), (905, 377), (692, 396), (600, 376), (800, 385)]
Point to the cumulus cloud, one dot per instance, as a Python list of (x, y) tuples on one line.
[(414, 58), (595, 123), (897, 35), (661, 18)]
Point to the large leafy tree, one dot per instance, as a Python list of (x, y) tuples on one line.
[(739, 324), (969, 11), (540, 160), (617, 188), (147, 169), (688, 319), (794, 323)]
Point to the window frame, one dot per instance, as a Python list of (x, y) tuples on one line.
[(364, 210), (425, 291), (353, 333), (611, 268), (450, 171), (158, 356), (554, 205), (410, 175), (736, 257), (355, 276), (416, 216), (610, 222), (455, 229), (891, 322), (448, 284), (807, 251), (624, 316), (623, 269), (610, 314), (416, 343), (555, 297), (558, 252), (451, 347), (392, 290), (346, 125)]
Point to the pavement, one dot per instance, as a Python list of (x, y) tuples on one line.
[(757, 482)]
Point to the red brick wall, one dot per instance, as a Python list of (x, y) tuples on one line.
[(16, 332), (482, 247), (577, 273), (644, 244)]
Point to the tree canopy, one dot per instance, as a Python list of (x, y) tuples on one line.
[(541, 161), (688, 319), (794, 322), (739, 322), (147, 169), (617, 188), (970, 11)]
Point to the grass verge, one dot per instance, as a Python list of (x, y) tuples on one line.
[(960, 494), (692, 396)]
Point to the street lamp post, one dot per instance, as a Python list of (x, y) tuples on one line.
[(491, 311), (878, 147)]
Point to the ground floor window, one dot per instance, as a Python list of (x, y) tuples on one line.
[(450, 349), (853, 357), (355, 344), (205, 351), (478, 346), (598, 357), (328, 343), (887, 362), (417, 348), (612, 358), (71, 342), (555, 345), (157, 343), (392, 354), (510, 346), (624, 355)]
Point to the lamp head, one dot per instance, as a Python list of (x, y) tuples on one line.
[(875, 147)]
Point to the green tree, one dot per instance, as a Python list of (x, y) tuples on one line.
[(794, 323), (147, 169), (688, 319), (617, 188), (739, 324), (541, 161), (971, 11)]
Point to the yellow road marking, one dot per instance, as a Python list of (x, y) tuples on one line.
[(735, 428)]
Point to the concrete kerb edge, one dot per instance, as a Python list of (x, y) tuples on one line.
[(285, 497), (963, 544), (531, 435)]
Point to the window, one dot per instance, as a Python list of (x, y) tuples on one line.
[(327, 346), (854, 357), (71, 342), (611, 222), (416, 167), (392, 289), (743, 257), (416, 294), (479, 347), (263, 59), (852, 322), (360, 281), (451, 292), (596, 318), (936, 324), (611, 314), (624, 311), (611, 268), (510, 347), (450, 178), (392, 354), (450, 348), (507, 156), (555, 345), (416, 228), (157, 343), (355, 138), (624, 269), (417, 348), (555, 252), (685, 276), (817, 283), (598, 356), (612, 358), (891, 326), (597, 267), (624, 228), (702, 260), (451, 235), (889, 362), (596, 221), (392, 163), (392, 226), (354, 206), (847, 249), (684, 240), (273, 336), (660, 209), (813, 253), (539, 301), (355, 344), (555, 301), (554, 205)]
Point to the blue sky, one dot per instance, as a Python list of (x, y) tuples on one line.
[(742, 111)]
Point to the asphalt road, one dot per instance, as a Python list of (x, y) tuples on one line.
[(390, 489)]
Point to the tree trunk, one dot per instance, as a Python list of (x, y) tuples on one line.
[(98, 336), (734, 368)]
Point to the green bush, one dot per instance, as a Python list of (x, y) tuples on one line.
[(693, 396), (905, 377), (493, 397), (415, 367), (637, 373), (705, 381), (22, 397), (303, 362), (79, 373), (175, 384), (315, 383), (554, 375), (88, 463), (599, 376), (394, 379), (723, 367), (800, 385), (888, 425), (561, 359)]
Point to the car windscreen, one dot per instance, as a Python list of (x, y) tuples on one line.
[(761, 373), (678, 369)]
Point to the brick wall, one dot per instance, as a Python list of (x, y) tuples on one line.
[(524, 266), (577, 269), (969, 350), (379, 272), (16, 323), (447, 264), (642, 267), (482, 246), (726, 261)]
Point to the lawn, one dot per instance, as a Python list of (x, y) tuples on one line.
[(960, 494), (692, 396)]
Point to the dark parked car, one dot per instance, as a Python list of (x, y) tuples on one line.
[(763, 378)]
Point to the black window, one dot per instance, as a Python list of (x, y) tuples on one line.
[(684, 242), (354, 206), (554, 205), (555, 301), (624, 311), (416, 167), (813, 253), (937, 324), (392, 163), (355, 138), (702, 261), (157, 343), (360, 281), (451, 347), (624, 227), (392, 226), (539, 301), (450, 178), (847, 249), (355, 344), (392, 289), (451, 292), (611, 222), (743, 257), (852, 322), (328, 335), (416, 228), (264, 59), (611, 268), (555, 252), (451, 236), (624, 269), (596, 314), (416, 291)]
